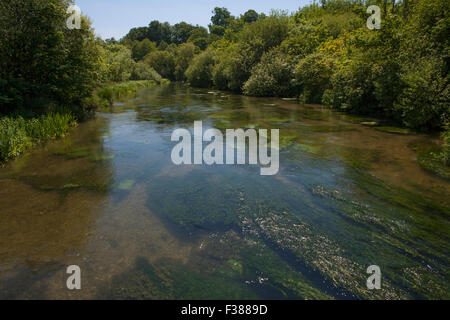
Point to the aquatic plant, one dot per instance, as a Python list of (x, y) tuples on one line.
[(107, 94), (17, 134)]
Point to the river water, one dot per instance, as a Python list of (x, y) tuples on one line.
[(108, 199)]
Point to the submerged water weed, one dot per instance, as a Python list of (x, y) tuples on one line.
[(432, 157), (435, 162), (394, 130), (168, 280)]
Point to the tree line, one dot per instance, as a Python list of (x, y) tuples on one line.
[(323, 53)]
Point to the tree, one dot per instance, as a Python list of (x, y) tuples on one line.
[(199, 73), (41, 59), (154, 31), (163, 62), (184, 55), (137, 34), (119, 63), (272, 77), (182, 32), (221, 17), (143, 71), (142, 48), (250, 16)]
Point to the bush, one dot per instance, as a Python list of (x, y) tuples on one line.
[(351, 88), (199, 73), (313, 74), (184, 55), (143, 71), (119, 63), (162, 62), (142, 48), (273, 76), (425, 99), (233, 68)]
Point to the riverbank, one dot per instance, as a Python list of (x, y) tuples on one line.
[(19, 132)]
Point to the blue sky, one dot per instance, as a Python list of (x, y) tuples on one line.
[(114, 18)]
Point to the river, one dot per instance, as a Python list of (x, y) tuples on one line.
[(108, 199)]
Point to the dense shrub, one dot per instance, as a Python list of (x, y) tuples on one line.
[(199, 73), (313, 74), (304, 38), (273, 76), (119, 63), (352, 88), (143, 71), (233, 67), (142, 48), (162, 62), (184, 55), (425, 99)]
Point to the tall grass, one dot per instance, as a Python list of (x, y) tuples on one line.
[(107, 94), (17, 134)]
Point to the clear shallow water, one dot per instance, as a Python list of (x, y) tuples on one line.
[(109, 199)]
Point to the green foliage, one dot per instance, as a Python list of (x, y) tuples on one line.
[(250, 16), (42, 60), (304, 38), (313, 74), (235, 62), (17, 134), (424, 56), (142, 48), (221, 17), (266, 33), (13, 138), (199, 73), (137, 34), (163, 62), (367, 78), (143, 71), (231, 70), (158, 32), (107, 94), (182, 32), (184, 55), (273, 76), (119, 63), (425, 98)]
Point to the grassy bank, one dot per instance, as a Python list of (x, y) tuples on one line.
[(106, 95), (18, 134)]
